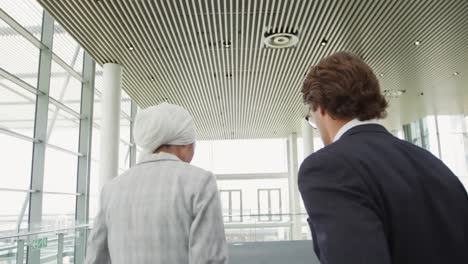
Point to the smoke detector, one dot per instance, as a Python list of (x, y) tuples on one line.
[(393, 93), (280, 40)]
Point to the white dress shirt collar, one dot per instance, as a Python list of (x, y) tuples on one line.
[(353, 123)]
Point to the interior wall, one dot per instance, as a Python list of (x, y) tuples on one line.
[(445, 97)]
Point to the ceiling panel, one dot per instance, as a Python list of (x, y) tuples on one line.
[(209, 57)]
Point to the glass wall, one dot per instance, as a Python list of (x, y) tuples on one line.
[(445, 136), (19, 64), (41, 128)]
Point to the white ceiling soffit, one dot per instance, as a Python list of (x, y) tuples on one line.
[(209, 57)]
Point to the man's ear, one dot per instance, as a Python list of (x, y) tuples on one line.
[(321, 110)]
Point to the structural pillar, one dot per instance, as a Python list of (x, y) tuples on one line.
[(110, 124), (294, 196), (307, 138)]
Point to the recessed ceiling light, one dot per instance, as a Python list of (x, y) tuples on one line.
[(324, 42), (455, 73), (227, 44), (130, 48), (381, 75), (417, 43), (152, 78)]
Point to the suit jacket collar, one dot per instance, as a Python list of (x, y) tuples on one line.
[(376, 128)]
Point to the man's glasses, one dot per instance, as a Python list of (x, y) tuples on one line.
[(311, 122), (309, 117)]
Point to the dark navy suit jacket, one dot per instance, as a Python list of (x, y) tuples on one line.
[(373, 198)]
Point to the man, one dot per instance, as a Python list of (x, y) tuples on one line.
[(162, 210), (372, 198)]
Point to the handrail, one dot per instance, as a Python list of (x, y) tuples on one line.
[(68, 238), (45, 231), (256, 215)]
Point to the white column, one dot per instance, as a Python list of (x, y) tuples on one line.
[(110, 124), (307, 138), (294, 196)]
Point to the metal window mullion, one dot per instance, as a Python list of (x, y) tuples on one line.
[(84, 162), (230, 206), (63, 107), (241, 208), (40, 130), (66, 67), (20, 29), (7, 131), (280, 205), (270, 216), (258, 204), (133, 149), (439, 147), (424, 144), (14, 79)]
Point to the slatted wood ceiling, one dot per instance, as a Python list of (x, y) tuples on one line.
[(244, 90)]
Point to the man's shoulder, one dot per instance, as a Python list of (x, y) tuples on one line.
[(326, 158), (332, 151)]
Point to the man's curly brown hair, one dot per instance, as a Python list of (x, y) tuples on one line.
[(346, 87)]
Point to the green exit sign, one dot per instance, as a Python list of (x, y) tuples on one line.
[(39, 243)]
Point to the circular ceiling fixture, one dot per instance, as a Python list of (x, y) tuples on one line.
[(280, 40)]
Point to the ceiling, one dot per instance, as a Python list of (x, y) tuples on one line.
[(208, 55)]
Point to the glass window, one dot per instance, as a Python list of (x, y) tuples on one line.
[(249, 189), (18, 56), (236, 206), (93, 207), (263, 205), (17, 108), (28, 13), (65, 88), (63, 129), (16, 160), (58, 210), (60, 171), (94, 179), (98, 78), (452, 141), (11, 209), (231, 201), (269, 205), (66, 47), (126, 104)]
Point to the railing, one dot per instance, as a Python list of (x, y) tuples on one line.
[(54, 245), (248, 227), (58, 245)]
